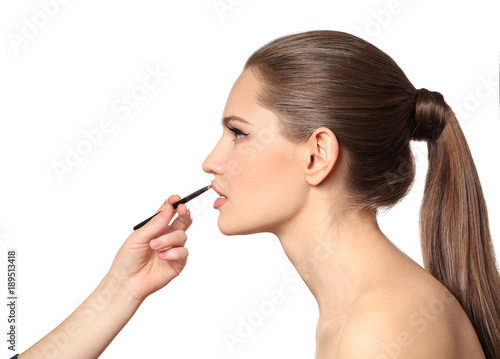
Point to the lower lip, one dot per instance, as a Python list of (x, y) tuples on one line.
[(219, 202)]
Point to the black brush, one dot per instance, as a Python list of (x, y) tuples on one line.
[(183, 200)]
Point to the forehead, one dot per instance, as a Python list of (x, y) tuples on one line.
[(242, 100)]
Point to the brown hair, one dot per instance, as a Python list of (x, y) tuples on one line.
[(339, 81)]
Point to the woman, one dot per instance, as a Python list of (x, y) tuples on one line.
[(316, 139)]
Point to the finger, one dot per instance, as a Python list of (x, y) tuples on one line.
[(184, 220), (159, 224), (174, 254), (174, 239), (163, 205), (168, 201)]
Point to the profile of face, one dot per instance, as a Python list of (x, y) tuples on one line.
[(255, 166)]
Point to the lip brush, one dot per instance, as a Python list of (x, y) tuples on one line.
[(181, 201)]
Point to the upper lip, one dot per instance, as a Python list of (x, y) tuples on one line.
[(216, 190)]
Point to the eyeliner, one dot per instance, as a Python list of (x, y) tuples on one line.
[(181, 201)]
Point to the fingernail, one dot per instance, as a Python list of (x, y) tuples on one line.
[(164, 210)]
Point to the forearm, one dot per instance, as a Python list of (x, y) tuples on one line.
[(95, 323), (91, 327)]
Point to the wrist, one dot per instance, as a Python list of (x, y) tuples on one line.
[(113, 285)]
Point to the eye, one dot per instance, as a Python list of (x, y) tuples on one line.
[(237, 133)]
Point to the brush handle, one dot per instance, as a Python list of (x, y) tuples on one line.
[(148, 219), (181, 201), (145, 221)]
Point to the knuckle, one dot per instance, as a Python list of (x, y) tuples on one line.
[(173, 198), (177, 236)]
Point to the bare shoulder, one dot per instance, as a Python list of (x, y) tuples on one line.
[(421, 321)]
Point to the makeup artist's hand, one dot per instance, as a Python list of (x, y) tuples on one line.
[(140, 268), (154, 254)]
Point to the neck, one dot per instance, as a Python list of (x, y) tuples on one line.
[(339, 255)]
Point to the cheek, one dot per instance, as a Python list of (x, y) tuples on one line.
[(266, 175)]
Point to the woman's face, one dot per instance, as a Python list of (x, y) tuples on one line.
[(255, 167)]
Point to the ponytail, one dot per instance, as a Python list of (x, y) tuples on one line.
[(455, 236)]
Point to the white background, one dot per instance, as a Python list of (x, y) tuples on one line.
[(64, 79)]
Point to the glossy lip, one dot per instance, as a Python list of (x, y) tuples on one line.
[(219, 202), (218, 192)]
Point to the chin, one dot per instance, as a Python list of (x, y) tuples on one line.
[(232, 228)]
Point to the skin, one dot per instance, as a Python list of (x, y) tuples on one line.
[(380, 302), (148, 260), (374, 301)]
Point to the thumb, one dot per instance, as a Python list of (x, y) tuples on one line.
[(159, 224)]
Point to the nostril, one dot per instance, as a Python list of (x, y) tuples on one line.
[(213, 167)]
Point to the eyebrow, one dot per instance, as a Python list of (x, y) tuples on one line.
[(226, 119)]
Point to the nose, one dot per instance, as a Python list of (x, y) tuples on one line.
[(214, 163)]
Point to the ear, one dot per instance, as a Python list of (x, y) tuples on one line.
[(322, 150)]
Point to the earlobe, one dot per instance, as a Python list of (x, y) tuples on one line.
[(323, 148)]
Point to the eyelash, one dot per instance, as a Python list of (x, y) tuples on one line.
[(237, 132)]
